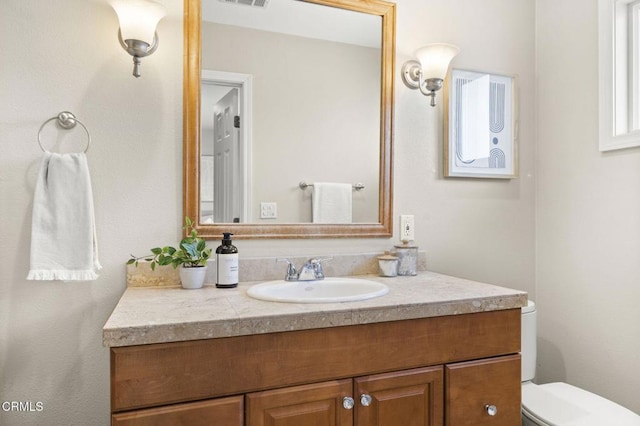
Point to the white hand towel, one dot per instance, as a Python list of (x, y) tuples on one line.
[(63, 236), (331, 202)]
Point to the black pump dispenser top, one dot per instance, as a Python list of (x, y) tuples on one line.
[(226, 247)]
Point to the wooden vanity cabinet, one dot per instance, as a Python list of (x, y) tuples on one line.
[(446, 370)]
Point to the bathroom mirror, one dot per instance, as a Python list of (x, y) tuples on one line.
[(266, 163)]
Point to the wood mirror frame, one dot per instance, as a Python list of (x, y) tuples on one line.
[(191, 133)]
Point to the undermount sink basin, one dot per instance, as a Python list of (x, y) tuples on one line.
[(329, 290)]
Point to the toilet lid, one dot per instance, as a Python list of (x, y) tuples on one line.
[(531, 306), (561, 404)]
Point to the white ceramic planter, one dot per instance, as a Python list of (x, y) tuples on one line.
[(192, 277)]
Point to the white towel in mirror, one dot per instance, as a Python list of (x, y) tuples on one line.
[(331, 202)]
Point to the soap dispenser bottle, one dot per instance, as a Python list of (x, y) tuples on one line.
[(226, 263)]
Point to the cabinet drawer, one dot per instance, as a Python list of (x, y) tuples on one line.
[(473, 386), (221, 411)]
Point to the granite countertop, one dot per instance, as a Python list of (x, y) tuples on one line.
[(160, 315)]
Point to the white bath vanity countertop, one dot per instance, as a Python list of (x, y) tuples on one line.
[(160, 315)]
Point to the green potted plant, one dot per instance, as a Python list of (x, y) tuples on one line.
[(191, 256)]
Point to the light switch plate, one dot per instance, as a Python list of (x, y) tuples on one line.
[(407, 225)]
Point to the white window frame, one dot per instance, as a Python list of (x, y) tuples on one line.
[(619, 74), (633, 10)]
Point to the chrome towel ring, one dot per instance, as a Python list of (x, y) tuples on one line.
[(67, 121)]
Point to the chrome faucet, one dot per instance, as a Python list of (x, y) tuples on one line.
[(292, 273), (310, 271)]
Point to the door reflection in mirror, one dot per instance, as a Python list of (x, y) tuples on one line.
[(225, 147)]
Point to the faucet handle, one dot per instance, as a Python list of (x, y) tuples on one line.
[(292, 273), (317, 266)]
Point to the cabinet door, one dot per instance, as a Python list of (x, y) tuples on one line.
[(407, 398), (221, 411), (318, 404), (483, 392)]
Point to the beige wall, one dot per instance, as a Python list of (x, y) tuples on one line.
[(64, 55), (588, 218), (474, 228)]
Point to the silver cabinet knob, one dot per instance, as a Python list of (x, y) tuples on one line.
[(365, 400), (492, 410), (348, 402)]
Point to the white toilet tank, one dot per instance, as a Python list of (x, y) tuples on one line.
[(528, 341)]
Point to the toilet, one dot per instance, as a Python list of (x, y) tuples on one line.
[(561, 404)]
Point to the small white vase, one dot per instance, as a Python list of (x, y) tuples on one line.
[(192, 277)]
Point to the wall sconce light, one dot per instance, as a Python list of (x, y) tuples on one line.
[(429, 73), (138, 22)]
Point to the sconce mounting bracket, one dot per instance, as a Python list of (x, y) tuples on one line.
[(411, 74)]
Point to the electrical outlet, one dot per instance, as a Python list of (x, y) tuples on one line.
[(268, 210), (407, 225)]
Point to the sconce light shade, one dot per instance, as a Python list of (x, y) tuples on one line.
[(428, 74), (138, 22), (435, 58)]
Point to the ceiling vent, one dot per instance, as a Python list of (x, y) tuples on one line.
[(261, 4)]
